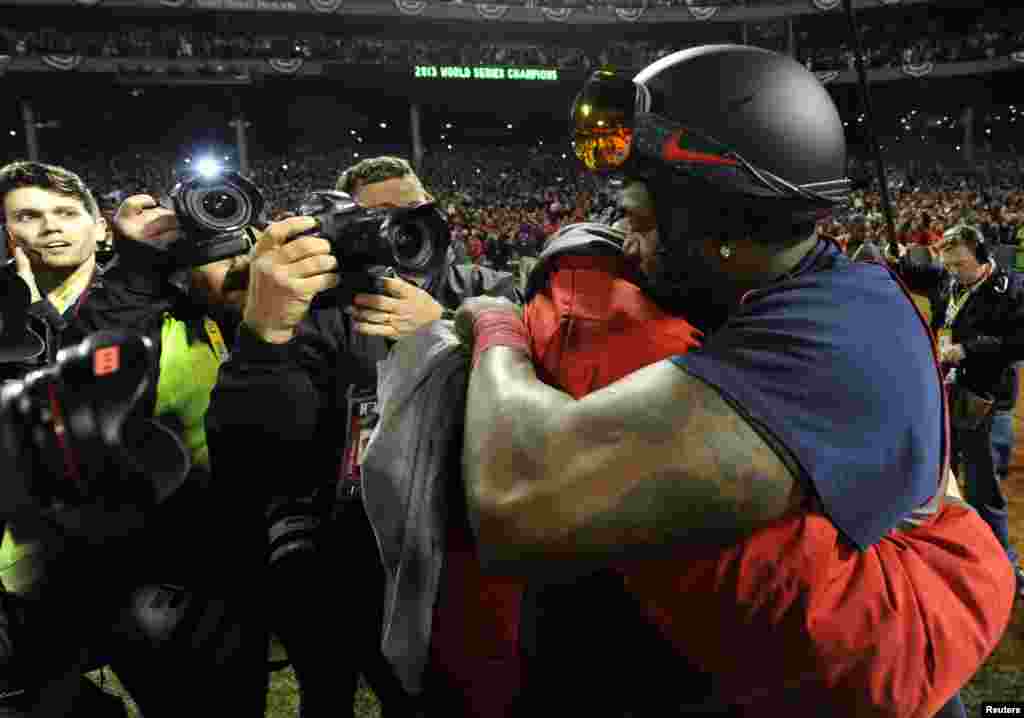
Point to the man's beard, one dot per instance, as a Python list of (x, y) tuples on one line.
[(683, 284)]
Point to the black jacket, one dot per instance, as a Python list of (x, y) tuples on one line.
[(990, 326), (283, 407), (132, 294), (129, 294)]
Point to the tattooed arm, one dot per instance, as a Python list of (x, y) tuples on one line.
[(655, 460)]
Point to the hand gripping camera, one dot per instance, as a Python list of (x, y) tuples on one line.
[(65, 435)]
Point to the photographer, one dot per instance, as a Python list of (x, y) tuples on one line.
[(299, 391), (51, 218), (978, 318), (53, 226)]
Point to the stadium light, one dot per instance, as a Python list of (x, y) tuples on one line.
[(284, 167), (447, 125), (208, 167), (508, 126), (188, 160), (356, 155), (383, 125)]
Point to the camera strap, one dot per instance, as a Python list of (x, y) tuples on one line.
[(362, 417)]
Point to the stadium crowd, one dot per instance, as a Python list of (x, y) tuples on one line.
[(491, 194), (886, 45), (988, 37)]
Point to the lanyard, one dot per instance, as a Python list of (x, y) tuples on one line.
[(216, 339)]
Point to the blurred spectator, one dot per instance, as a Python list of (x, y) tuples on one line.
[(903, 40), (516, 196)]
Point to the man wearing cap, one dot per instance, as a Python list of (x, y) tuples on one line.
[(779, 493), (978, 320)]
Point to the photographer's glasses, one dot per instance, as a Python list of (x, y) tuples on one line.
[(612, 130)]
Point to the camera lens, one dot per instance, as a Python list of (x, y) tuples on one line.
[(217, 208), (220, 204), (412, 246)]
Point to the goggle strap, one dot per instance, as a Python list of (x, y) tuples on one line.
[(643, 99), (830, 191)]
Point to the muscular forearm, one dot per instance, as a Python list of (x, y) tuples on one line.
[(510, 417), (653, 461)]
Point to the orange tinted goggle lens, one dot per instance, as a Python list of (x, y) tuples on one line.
[(602, 121), (602, 147)]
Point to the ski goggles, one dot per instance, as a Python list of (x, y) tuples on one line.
[(613, 131)]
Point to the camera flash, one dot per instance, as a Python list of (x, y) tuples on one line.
[(208, 167)]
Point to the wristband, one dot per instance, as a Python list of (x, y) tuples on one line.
[(499, 329)]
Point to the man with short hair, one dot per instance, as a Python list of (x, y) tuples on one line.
[(54, 225), (299, 392)]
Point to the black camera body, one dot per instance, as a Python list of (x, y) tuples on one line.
[(216, 215), (412, 240), (65, 435)]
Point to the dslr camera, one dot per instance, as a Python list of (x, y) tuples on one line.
[(216, 213), (65, 435), (412, 240)]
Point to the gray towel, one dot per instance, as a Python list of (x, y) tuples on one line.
[(421, 398)]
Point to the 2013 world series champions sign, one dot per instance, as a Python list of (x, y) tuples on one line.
[(459, 72)]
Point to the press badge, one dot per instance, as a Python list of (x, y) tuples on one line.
[(362, 418), (945, 338)]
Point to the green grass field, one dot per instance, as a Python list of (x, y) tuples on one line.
[(992, 683)]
